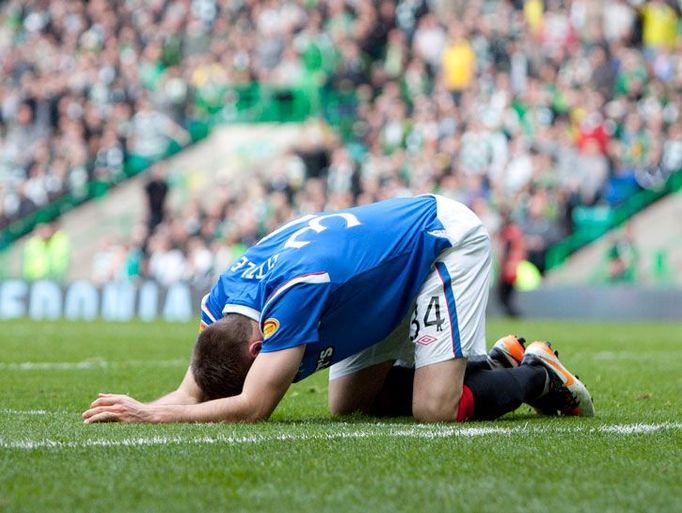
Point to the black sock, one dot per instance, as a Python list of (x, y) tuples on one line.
[(495, 391), (501, 391), (478, 363), (395, 397)]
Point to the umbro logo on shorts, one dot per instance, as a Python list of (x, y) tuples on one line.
[(426, 340)]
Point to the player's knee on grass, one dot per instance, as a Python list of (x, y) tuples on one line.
[(437, 391), (339, 406), (437, 407), (357, 392), (393, 398)]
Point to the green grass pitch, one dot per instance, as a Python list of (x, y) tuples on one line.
[(628, 458)]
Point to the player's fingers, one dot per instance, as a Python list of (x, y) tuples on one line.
[(90, 412), (101, 409), (105, 401), (106, 416)]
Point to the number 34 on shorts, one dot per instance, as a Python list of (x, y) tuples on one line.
[(428, 321)]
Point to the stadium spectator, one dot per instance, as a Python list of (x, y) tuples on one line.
[(541, 230), (150, 131), (622, 258), (156, 190), (108, 261), (659, 25), (459, 62), (167, 264), (512, 251), (47, 254)]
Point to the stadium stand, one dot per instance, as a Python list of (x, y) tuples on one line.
[(561, 111), (647, 250)]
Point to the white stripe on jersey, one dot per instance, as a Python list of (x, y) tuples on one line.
[(304, 278), (205, 309), (246, 311)]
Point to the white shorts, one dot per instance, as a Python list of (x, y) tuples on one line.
[(447, 320)]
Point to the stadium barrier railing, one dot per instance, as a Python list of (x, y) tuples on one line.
[(606, 219)]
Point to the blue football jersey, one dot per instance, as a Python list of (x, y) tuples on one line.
[(336, 282)]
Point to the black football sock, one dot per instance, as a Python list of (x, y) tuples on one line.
[(477, 363), (395, 397), (494, 391), (499, 391)]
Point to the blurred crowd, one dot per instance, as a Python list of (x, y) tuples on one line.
[(85, 86), (523, 110)]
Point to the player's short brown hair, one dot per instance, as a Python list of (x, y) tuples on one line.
[(221, 360)]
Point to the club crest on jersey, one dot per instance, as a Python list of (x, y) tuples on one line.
[(270, 327)]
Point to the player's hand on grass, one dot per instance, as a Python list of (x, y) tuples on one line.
[(117, 408)]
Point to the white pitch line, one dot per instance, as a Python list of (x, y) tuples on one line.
[(633, 429), (90, 364), (630, 355), (7, 411), (381, 431)]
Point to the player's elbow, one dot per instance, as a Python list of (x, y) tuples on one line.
[(255, 411), (185, 398), (252, 417)]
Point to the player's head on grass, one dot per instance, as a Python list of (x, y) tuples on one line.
[(223, 355)]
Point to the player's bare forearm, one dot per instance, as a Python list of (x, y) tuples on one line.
[(174, 397), (121, 408), (187, 393), (229, 409), (265, 385)]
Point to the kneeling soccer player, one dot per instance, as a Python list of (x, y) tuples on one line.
[(400, 280)]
